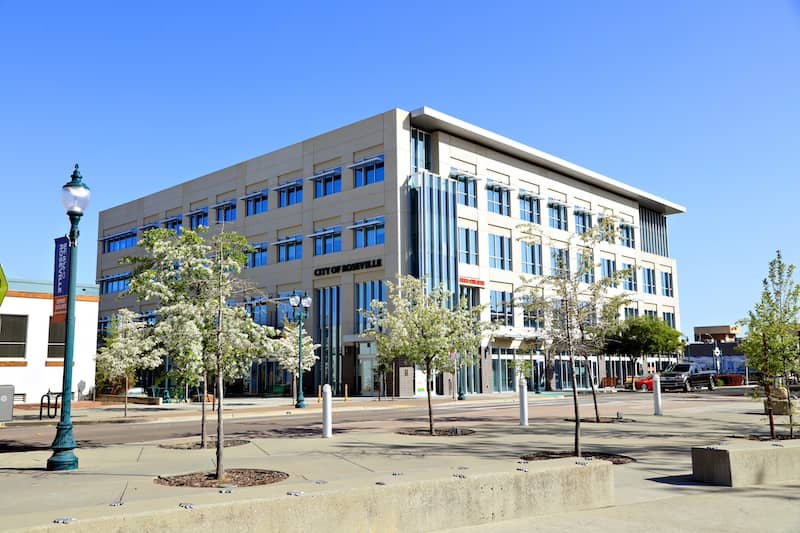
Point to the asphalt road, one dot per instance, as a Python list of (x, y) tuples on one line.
[(295, 423)]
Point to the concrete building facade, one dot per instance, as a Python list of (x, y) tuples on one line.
[(32, 346), (419, 193)]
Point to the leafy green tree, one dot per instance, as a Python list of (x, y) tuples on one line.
[(578, 307), (423, 327), (192, 279), (128, 348), (770, 346), (638, 336)]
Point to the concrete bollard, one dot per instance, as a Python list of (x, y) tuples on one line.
[(657, 395), (523, 402), (327, 418)]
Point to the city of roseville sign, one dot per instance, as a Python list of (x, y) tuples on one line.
[(361, 265)]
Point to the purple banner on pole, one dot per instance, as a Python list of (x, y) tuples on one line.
[(61, 280)]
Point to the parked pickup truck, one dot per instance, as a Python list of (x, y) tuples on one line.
[(687, 376)]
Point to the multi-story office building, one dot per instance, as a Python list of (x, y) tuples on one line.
[(405, 192)]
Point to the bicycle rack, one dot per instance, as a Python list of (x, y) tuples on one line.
[(47, 396)]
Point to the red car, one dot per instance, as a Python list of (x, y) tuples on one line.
[(644, 383)]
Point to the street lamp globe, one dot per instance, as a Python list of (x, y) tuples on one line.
[(306, 302), (75, 194), (294, 300)]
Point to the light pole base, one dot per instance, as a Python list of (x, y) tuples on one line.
[(63, 458), (301, 404), (461, 395)]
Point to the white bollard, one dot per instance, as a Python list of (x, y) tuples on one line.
[(523, 402), (657, 395), (327, 418)]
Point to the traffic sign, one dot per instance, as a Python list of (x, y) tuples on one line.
[(3, 284)]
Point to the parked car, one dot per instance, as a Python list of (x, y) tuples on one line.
[(644, 383), (687, 376)]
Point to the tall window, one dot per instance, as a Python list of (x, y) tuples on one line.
[(120, 241), (586, 264), (529, 208), (226, 212), (257, 203), (649, 280), (369, 173), (467, 246), (583, 220), (558, 214), (366, 292), (629, 279), (198, 218), (499, 199), (532, 316), (290, 193), (666, 284), (531, 258), (328, 241), (501, 308), (258, 310), (369, 232), (626, 235), (175, 224), (56, 339), (13, 335), (115, 283), (328, 183), (559, 262), (631, 312), (500, 252), (466, 189), (420, 150), (471, 294), (609, 270), (669, 318), (650, 313), (290, 249), (257, 257)]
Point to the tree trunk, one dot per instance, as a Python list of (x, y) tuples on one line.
[(428, 387), (220, 431), (203, 411), (594, 391), (574, 386), (768, 392), (126, 395)]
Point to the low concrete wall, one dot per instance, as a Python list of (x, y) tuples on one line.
[(562, 486), (118, 398), (781, 407), (747, 463)]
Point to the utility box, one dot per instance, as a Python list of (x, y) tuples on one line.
[(6, 403)]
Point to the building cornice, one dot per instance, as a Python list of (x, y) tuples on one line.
[(431, 120)]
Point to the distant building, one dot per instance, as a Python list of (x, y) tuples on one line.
[(707, 339), (32, 346)]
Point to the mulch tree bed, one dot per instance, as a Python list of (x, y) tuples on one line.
[(603, 420), (453, 431), (234, 477), (210, 443), (612, 457)]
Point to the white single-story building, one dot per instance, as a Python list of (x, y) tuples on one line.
[(32, 346)]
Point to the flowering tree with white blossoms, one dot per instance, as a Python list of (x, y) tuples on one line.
[(423, 327), (192, 279), (285, 348), (128, 348)]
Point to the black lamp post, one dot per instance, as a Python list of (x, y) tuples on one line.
[(75, 198)]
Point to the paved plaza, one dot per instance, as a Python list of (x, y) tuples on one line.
[(654, 493)]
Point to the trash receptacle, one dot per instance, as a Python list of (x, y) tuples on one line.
[(6, 403)]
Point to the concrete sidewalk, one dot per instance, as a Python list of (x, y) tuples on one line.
[(655, 493)]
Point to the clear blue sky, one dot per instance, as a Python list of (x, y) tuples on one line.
[(697, 102)]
